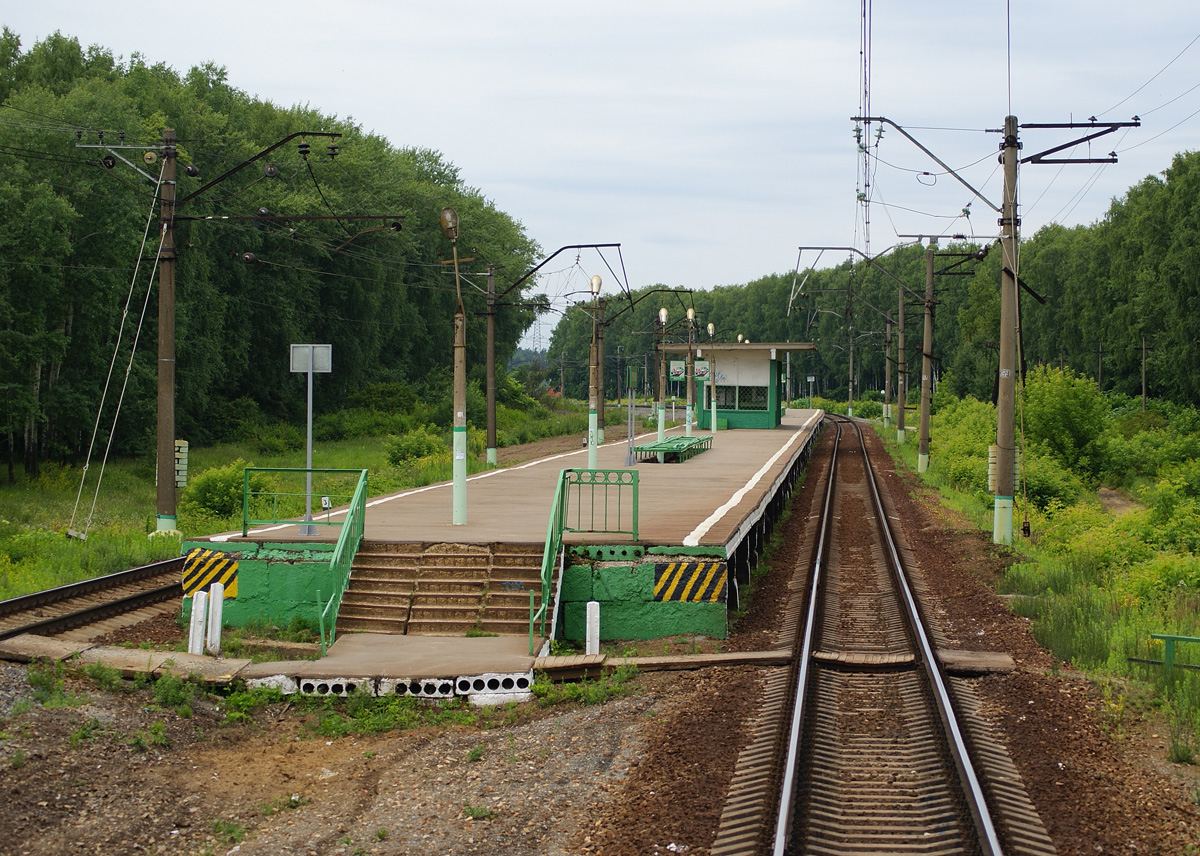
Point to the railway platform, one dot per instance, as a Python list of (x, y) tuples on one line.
[(715, 508)]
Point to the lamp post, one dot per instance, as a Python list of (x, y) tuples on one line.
[(662, 375), (712, 378), (449, 220), (690, 375), (593, 379)]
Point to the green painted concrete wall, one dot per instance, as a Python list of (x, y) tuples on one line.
[(276, 582), (628, 609)]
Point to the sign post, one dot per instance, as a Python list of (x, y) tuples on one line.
[(310, 359)]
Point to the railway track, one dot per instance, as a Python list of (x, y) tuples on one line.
[(93, 607), (864, 745)]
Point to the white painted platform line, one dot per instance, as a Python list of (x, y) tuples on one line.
[(693, 538)]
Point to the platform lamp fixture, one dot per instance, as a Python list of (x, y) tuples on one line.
[(593, 379), (662, 375), (449, 220)]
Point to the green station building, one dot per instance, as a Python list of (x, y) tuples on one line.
[(747, 378)]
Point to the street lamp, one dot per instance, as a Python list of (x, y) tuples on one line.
[(690, 375), (662, 376), (593, 378), (712, 377), (449, 220)]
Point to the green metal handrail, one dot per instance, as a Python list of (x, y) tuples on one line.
[(597, 487), (275, 495), (342, 559)]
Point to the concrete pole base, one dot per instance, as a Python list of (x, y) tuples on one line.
[(460, 477), (922, 462), (1002, 521)]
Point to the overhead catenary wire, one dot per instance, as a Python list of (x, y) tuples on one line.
[(112, 364)]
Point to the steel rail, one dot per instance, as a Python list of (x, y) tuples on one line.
[(783, 821), (78, 617), (989, 841), (972, 790)]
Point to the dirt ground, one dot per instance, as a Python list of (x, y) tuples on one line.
[(644, 774)]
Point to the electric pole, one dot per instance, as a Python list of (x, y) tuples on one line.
[(926, 361), (1006, 395), (167, 521), (491, 367), (901, 371)]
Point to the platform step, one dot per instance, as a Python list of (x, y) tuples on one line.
[(442, 589), (372, 624)]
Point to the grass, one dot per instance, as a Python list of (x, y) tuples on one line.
[(589, 691), (46, 678), (478, 812), (36, 554), (1094, 592)]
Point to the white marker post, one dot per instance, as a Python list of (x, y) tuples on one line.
[(196, 628), (216, 609)]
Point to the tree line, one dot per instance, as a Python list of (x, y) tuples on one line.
[(1102, 292), (268, 257)]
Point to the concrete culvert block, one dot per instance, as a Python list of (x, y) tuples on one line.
[(285, 684), (496, 688), (432, 688), (334, 686)]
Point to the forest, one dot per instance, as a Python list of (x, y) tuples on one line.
[(336, 239), (328, 239)]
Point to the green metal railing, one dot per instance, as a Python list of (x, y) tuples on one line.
[(287, 506), (599, 501), (342, 560), (349, 538)]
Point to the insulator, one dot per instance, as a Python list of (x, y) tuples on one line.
[(333, 151), (264, 212), (249, 258), (121, 136), (192, 170), (271, 171), (304, 149), (108, 162)]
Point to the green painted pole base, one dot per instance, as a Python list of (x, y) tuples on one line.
[(166, 526), (1002, 521), (492, 460), (687, 425), (593, 430), (900, 436), (460, 476), (922, 462)]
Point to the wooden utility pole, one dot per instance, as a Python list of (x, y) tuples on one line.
[(492, 458), (887, 374), (901, 371), (166, 520), (926, 361), (1005, 484)]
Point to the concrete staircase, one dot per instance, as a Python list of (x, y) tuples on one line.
[(441, 589)]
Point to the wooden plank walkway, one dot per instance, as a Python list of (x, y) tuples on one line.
[(709, 500)]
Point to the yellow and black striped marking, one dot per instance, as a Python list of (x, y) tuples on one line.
[(698, 582), (203, 567)]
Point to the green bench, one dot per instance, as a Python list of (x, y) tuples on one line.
[(1169, 640), (673, 450)]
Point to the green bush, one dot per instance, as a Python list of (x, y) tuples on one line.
[(278, 439), (218, 491), (421, 442)]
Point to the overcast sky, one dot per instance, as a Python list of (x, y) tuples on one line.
[(709, 139)]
